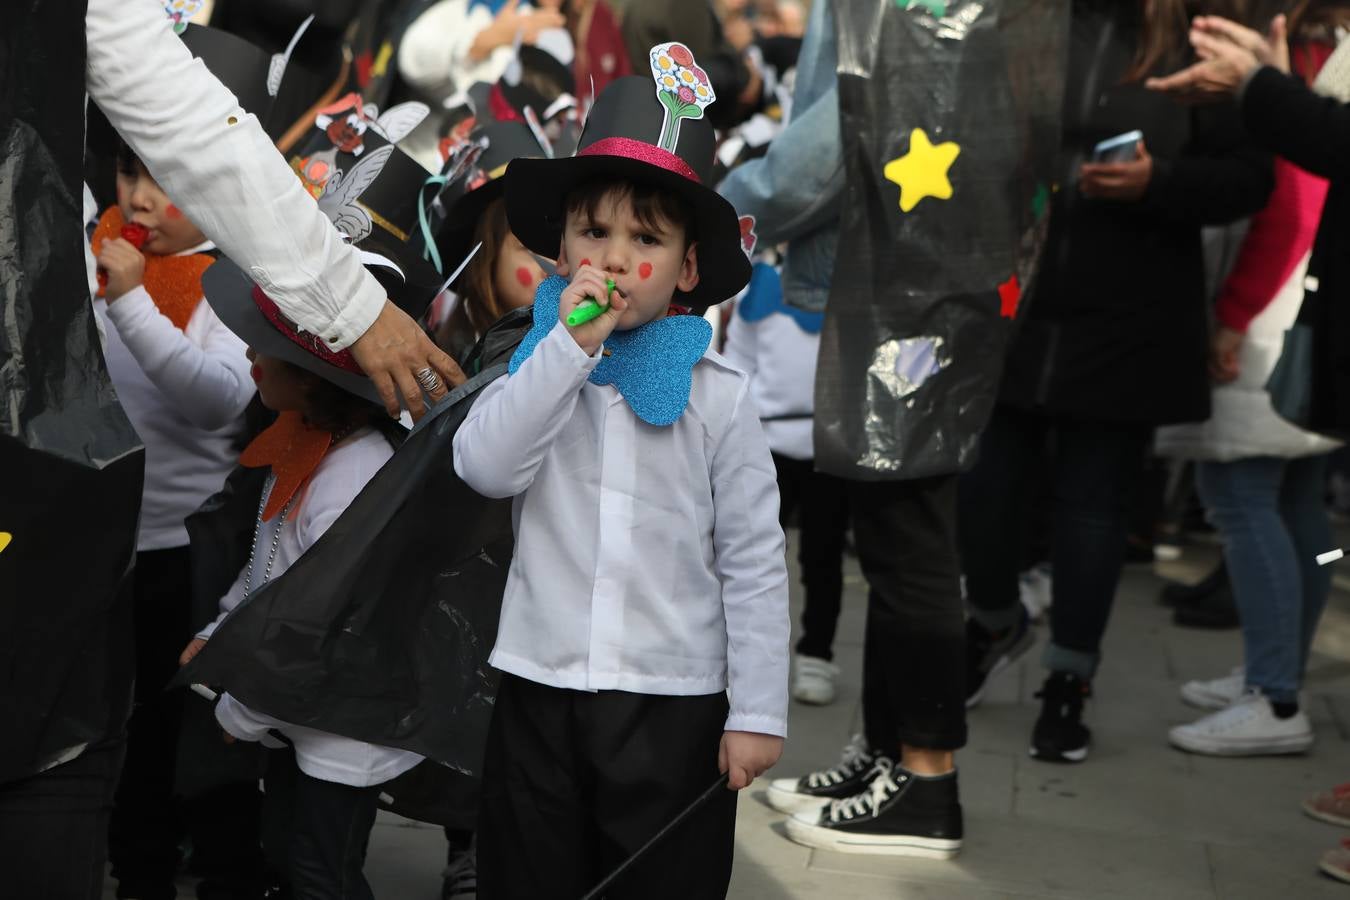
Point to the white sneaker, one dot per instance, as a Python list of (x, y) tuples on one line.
[(1218, 693), (1247, 728), (813, 682)]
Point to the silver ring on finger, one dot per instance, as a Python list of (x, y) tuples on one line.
[(427, 380)]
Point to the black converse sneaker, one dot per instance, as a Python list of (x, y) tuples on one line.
[(1060, 735), (989, 653), (844, 779), (459, 880), (900, 814)]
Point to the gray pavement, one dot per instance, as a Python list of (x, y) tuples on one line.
[(1138, 819)]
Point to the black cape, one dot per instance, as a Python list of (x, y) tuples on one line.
[(382, 630), (72, 464)]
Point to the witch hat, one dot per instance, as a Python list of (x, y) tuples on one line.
[(651, 134)]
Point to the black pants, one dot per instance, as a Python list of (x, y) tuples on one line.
[(1094, 469), (149, 820), (914, 648), (316, 832), (54, 828), (574, 782), (821, 501)]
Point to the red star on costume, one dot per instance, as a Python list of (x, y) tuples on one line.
[(1009, 294)]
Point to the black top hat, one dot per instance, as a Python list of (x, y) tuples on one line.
[(647, 133), (463, 200), (374, 190)]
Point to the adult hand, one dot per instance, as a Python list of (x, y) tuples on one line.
[(1229, 54), (745, 755), (1123, 181), (393, 352), (539, 20), (125, 267), (1223, 355)]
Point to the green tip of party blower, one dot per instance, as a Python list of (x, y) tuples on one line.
[(589, 308)]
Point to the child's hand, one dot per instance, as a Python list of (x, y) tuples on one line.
[(192, 649), (746, 755), (125, 267), (589, 282)]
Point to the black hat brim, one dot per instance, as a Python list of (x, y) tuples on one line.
[(456, 236), (536, 191), (230, 292)]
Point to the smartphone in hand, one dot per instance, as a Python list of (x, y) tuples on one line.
[(1121, 148)]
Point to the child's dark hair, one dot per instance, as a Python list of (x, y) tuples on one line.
[(654, 207), (478, 305), (128, 163), (333, 409)]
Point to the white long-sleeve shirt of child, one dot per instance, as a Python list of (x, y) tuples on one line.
[(648, 559), (185, 392), (341, 475)]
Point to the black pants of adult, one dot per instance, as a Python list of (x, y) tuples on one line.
[(54, 828), (821, 504), (914, 646), (575, 782), (316, 832), (149, 820), (1094, 469)]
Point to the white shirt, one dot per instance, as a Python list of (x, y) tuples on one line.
[(219, 166), (648, 559), (327, 493), (185, 391), (780, 358)]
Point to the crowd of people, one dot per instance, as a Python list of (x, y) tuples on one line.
[(608, 252)]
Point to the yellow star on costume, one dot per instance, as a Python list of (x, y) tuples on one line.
[(922, 172), (5, 538)]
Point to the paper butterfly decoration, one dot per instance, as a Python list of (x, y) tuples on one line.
[(340, 193), (652, 367), (681, 86), (180, 12), (764, 298), (347, 119)]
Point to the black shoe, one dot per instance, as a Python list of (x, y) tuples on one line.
[(1060, 735), (988, 653), (1177, 594), (813, 790), (459, 881), (1217, 610), (900, 814)]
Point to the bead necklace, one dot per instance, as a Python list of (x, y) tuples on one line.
[(281, 520)]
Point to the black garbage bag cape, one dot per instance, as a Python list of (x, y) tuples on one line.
[(382, 630), (950, 121), (71, 464)]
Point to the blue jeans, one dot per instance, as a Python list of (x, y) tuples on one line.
[(1273, 519)]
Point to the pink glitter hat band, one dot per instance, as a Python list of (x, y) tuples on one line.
[(642, 152), (311, 344)]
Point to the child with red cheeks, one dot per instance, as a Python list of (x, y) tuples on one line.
[(644, 627), (183, 380)]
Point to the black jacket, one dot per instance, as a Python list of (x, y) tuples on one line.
[(1314, 132), (1116, 327)]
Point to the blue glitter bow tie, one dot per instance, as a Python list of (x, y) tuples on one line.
[(765, 297), (652, 366)]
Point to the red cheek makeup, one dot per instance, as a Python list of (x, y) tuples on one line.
[(173, 212), (257, 373), (645, 271), (525, 277)]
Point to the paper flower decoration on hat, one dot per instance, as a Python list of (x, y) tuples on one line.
[(180, 12), (681, 86)]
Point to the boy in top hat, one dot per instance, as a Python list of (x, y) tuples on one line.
[(644, 628)]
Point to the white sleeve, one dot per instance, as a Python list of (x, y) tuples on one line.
[(434, 52), (202, 370), (741, 345), (752, 567), (503, 440), (216, 163)]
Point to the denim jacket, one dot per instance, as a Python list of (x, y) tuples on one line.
[(794, 191)]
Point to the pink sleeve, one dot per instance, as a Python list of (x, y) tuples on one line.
[(1278, 238)]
